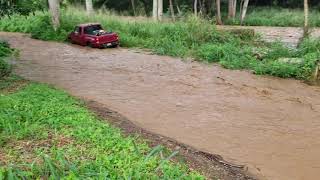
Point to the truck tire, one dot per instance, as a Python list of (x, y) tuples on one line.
[(89, 44)]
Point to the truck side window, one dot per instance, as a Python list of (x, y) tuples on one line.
[(77, 30), (88, 30), (92, 30)]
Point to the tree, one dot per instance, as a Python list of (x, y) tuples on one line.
[(160, 9), (195, 7), (133, 7), (22, 7), (54, 7), (230, 9), (203, 8), (218, 12), (155, 10), (178, 9), (306, 19), (244, 11), (147, 4), (172, 10), (89, 7), (234, 10)]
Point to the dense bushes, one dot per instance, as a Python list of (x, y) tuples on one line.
[(5, 51), (192, 37)]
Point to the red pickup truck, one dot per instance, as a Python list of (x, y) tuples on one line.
[(93, 35)]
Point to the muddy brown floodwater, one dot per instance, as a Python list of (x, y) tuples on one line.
[(272, 125), (290, 36)]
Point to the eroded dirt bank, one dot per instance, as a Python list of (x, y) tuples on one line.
[(272, 125)]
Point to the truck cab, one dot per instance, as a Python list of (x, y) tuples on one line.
[(93, 35)]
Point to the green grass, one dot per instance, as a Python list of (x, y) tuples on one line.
[(191, 37), (275, 16), (46, 134), (5, 51)]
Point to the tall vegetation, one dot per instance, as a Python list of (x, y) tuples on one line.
[(276, 16)]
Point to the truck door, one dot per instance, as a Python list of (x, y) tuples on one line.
[(76, 35)]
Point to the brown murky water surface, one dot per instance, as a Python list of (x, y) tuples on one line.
[(271, 125)]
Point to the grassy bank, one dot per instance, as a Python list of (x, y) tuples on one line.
[(5, 51), (192, 37), (275, 16), (46, 134)]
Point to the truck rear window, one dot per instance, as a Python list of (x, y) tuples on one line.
[(92, 30)]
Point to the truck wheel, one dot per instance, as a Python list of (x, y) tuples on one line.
[(115, 46), (69, 40), (89, 44)]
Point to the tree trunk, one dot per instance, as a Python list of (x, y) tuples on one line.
[(147, 6), (89, 7), (234, 11), (306, 19), (230, 8), (208, 6), (133, 7), (178, 9), (241, 7), (172, 10), (244, 11), (200, 10), (202, 7), (155, 10), (160, 10), (195, 7), (218, 12), (54, 7)]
